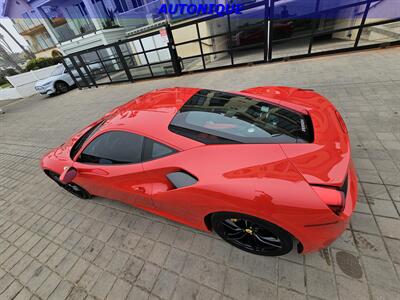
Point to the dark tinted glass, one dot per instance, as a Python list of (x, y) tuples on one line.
[(116, 147), (154, 150), (79, 143), (213, 117)]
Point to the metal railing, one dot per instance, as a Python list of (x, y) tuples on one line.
[(24, 25), (38, 48), (141, 16)]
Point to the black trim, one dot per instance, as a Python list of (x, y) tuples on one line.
[(342, 188), (147, 150), (181, 179)]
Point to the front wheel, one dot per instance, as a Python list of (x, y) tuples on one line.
[(252, 234), (61, 87)]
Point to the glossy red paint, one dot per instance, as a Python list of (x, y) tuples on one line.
[(272, 182)]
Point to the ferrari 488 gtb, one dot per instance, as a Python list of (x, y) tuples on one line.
[(265, 168)]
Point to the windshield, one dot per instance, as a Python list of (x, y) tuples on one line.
[(58, 71), (79, 143), (217, 117)]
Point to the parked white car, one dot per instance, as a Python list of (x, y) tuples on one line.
[(58, 82)]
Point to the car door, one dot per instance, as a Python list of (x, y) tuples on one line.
[(111, 166), (67, 78), (163, 165)]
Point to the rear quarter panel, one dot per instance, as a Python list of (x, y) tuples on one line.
[(326, 160), (256, 180)]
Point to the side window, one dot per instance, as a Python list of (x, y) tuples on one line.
[(154, 150), (115, 147), (75, 149)]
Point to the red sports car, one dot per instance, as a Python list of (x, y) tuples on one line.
[(265, 168)]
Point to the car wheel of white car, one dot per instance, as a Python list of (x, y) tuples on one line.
[(62, 87)]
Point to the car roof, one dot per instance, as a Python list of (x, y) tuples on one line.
[(150, 115)]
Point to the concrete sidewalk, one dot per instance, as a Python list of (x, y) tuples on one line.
[(55, 246)]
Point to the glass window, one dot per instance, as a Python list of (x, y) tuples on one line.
[(121, 5), (78, 145), (292, 47), (292, 18), (41, 42), (101, 9), (184, 34), (154, 150), (284, 9), (249, 19), (340, 19), (140, 72), (216, 60), (213, 27), (162, 69), (137, 3), (188, 50), (115, 147), (383, 10), (48, 40), (28, 20), (217, 117), (80, 17), (107, 53), (329, 4), (334, 41), (380, 34)]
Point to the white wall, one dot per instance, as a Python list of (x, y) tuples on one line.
[(25, 83), (9, 94)]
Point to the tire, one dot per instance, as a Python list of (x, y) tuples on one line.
[(72, 188), (252, 234), (61, 87)]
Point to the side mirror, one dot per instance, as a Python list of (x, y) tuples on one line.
[(68, 175)]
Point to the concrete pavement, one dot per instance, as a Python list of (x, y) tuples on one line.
[(55, 246)]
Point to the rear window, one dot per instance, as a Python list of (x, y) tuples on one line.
[(213, 117)]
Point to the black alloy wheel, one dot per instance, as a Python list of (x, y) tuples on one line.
[(72, 188), (62, 87), (252, 234)]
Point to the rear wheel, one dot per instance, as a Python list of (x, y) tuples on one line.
[(61, 87), (252, 234), (72, 188)]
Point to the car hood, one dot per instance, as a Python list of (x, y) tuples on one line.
[(326, 160), (43, 82)]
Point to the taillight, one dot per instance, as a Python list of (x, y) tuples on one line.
[(341, 122), (332, 197)]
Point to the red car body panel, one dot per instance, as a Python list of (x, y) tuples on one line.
[(269, 181), (326, 160)]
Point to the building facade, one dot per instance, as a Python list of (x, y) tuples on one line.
[(77, 25), (30, 26)]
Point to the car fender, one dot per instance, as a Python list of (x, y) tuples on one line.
[(68, 79)]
